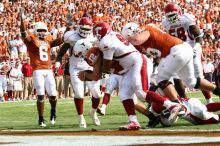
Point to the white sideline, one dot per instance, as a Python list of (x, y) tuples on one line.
[(103, 140)]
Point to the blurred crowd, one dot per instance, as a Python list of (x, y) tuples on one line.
[(61, 14)]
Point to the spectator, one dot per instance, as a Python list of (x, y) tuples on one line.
[(28, 80), (67, 83), (208, 69)]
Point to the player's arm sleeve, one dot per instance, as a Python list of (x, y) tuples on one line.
[(62, 52), (56, 42)]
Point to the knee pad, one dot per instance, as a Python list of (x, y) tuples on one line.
[(40, 98), (163, 84), (53, 98)]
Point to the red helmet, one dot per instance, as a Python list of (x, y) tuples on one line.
[(85, 27), (101, 29), (172, 12)]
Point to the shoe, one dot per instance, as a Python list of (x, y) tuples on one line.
[(52, 117), (174, 112), (42, 123), (100, 111), (131, 126), (82, 123), (153, 120), (95, 118)]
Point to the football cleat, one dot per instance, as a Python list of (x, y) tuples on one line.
[(174, 112), (95, 118), (101, 111), (42, 123), (131, 126), (52, 117), (82, 123)]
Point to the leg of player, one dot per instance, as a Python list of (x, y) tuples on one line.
[(40, 109), (180, 88), (208, 97), (79, 108), (53, 103), (95, 91), (130, 110), (105, 102)]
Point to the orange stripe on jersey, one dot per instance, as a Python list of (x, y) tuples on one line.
[(160, 40)]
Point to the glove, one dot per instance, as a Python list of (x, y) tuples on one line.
[(57, 64)]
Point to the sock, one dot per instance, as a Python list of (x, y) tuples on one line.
[(133, 118), (154, 97), (106, 99), (79, 105), (129, 106), (213, 107), (207, 94), (95, 102)]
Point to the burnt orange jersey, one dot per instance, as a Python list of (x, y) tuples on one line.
[(39, 52), (159, 40), (94, 54)]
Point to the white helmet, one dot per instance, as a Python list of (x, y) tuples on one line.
[(130, 29), (40, 29), (164, 118), (81, 48)]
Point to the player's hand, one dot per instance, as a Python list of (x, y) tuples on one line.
[(82, 75)]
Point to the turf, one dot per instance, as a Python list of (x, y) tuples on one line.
[(23, 116)]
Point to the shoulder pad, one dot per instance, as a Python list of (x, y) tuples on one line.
[(189, 18), (69, 36)]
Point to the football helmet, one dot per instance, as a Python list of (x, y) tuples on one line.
[(40, 29), (130, 29), (101, 29), (81, 48), (85, 27), (172, 12)]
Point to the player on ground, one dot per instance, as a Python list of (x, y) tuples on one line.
[(196, 112), (184, 27), (39, 46), (175, 60), (77, 64)]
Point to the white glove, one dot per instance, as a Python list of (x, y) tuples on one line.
[(57, 64)]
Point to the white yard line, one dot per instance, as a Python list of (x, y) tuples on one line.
[(103, 140)]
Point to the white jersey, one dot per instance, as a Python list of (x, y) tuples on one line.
[(115, 46), (181, 27), (196, 111), (72, 37)]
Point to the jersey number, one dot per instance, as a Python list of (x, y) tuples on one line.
[(122, 39), (178, 32), (43, 53)]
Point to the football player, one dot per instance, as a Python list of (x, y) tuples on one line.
[(39, 45), (175, 60), (77, 63), (195, 112), (184, 27), (134, 72)]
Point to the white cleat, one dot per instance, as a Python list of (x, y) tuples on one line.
[(95, 118), (101, 111), (42, 124), (82, 123), (52, 121)]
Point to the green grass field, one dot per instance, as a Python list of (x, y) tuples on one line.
[(23, 116)]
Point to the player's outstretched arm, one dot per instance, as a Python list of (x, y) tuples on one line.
[(23, 31), (62, 52)]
